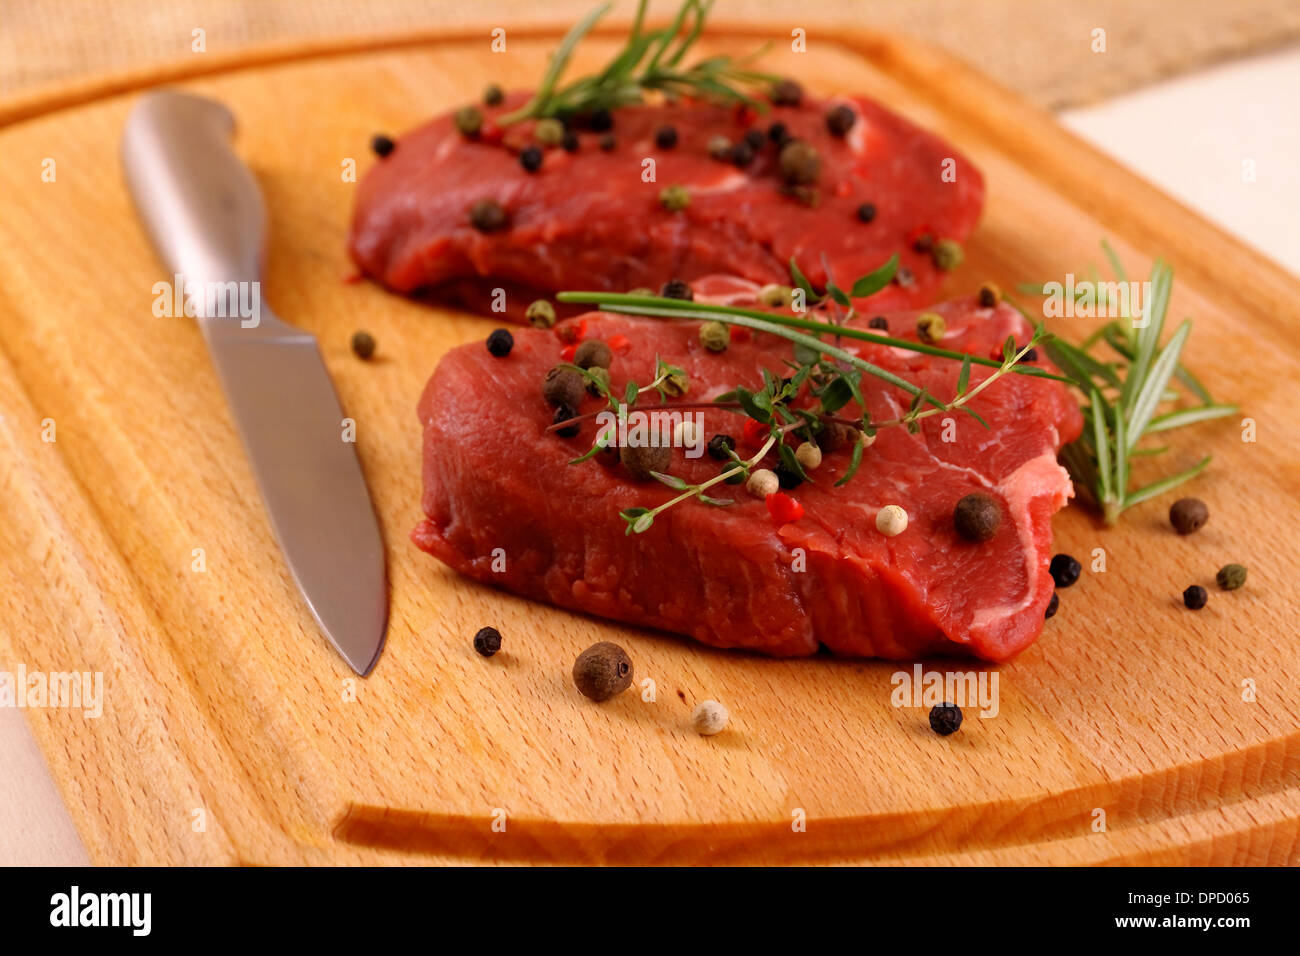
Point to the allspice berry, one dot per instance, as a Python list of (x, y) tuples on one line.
[(593, 353), (602, 671), (564, 386), (799, 163), (1188, 514), (977, 517), (641, 460), (488, 215)]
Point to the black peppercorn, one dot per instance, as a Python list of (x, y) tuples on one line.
[(879, 322), (677, 289), (1188, 515), (866, 212), (719, 445), (564, 386), (602, 671), (530, 157), (564, 413), (487, 641), (666, 137), (570, 142), (754, 137), (741, 154), (381, 145), (1030, 356), (786, 93), (988, 295), (1064, 569), (600, 121), (923, 243), (363, 344), (945, 719), (787, 477), (840, 119), (493, 95), (778, 134), (487, 215), (1195, 597), (977, 517), (1052, 606), (500, 342), (608, 142)]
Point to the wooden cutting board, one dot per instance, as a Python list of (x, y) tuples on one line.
[(232, 732)]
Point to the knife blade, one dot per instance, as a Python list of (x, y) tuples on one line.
[(203, 212)]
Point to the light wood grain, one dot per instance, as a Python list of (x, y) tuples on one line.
[(222, 697)]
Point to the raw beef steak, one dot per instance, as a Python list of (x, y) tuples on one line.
[(588, 220), (733, 576)]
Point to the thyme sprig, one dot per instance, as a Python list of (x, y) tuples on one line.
[(1126, 394), (649, 60)]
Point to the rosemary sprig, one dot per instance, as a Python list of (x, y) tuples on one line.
[(649, 60), (1125, 396)]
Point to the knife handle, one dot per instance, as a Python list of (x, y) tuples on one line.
[(199, 203)]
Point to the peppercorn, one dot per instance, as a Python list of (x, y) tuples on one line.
[(1030, 356), (778, 134), (945, 719), (719, 148), (734, 477), (493, 95), (808, 455), (1188, 515), (891, 521), (608, 142), (1230, 577), (592, 353), (930, 327), (674, 198), (715, 336), (677, 289), (786, 93), (866, 212), (840, 119), (564, 386), (675, 383), (947, 254), (989, 295), (641, 460), (540, 314), (1052, 606), (363, 344), (549, 132), (530, 157), (775, 296), (1195, 597), (709, 718), (720, 445), (500, 342), (600, 121), (879, 322), (602, 671), (763, 482), (754, 138), (570, 142), (597, 376), (977, 517), (742, 154), (565, 413), (1064, 570), (836, 435), (666, 137), (487, 215), (923, 243), (487, 641), (382, 145), (469, 121), (799, 163), (787, 478)]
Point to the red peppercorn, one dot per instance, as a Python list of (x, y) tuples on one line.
[(739, 334), (567, 353), (783, 508), (491, 133), (754, 432), (619, 343)]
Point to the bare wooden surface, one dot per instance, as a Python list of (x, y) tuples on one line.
[(222, 698)]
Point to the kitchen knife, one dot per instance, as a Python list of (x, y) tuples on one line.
[(203, 211)]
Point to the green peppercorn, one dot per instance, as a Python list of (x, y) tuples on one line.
[(786, 93), (720, 148), (733, 478), (775, 296), (674, 198), (564, 386), (947, 254), (1230, 577), (549, 132), (593, 353), (641, 460), (799, 163), (1188, 515), (469, 121), (596, 378), (676, 384), (602, 671), (363, 344), (540, 314), (715, 336), (989, 295), (488, 215), (930, 327), (977, 517), (493, 95)]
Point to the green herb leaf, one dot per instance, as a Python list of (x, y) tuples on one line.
[(877, 279), (855, 460)]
